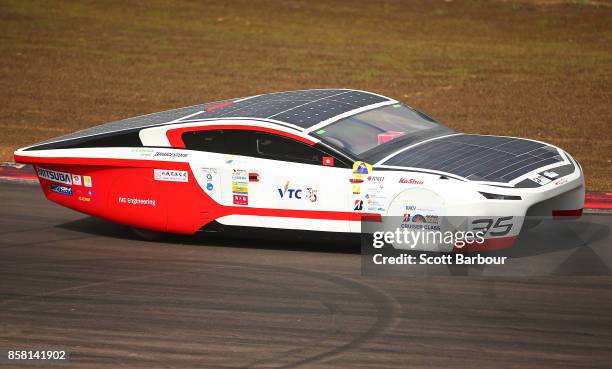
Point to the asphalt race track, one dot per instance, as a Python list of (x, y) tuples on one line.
[(72, 282)]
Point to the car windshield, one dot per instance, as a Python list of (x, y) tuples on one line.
[(365, 131)]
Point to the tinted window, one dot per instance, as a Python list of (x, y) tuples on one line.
[(257, 144), (282, 148), (211, 141), (234, 142)]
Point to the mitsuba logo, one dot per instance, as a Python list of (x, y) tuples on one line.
[(54, 176), (291, 193)]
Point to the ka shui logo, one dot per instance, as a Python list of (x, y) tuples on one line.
[(170, 175)]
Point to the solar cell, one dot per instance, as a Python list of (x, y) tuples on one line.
[(484, 158)]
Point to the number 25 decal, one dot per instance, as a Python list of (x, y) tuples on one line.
[(502, 226)]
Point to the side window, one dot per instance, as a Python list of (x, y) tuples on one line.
[(235, 142), (276, 147), (258, 144), (211, 141)]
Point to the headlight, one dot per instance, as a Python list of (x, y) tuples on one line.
[(494, 196)]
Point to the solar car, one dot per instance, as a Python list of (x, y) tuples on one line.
[(318, 160)]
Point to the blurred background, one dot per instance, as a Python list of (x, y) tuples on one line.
[(540, 69)]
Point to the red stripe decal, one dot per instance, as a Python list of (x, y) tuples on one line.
[(218, 106)]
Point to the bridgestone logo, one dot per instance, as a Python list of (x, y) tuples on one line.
[(171, 175), (171, 154), (54, 176)]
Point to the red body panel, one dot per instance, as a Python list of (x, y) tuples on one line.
[(125, 191)]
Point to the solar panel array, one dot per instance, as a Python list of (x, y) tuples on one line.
[(479, 158), (301, 108), (141, 121)]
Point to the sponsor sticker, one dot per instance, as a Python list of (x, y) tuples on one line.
[(241, 199), (84, 195), (540, 179), (550, 174), (312, 194), (171, 154), (361, 169), (76, 179), (240, 186), (376, 179), (142, 152), (420, 221), (61, 189), (211, 175), (290, 193), (411, 181), (54, 176), (136, 201), (358, 205), (241, 189), (356, 189), (170, 175), (239, 175), (376, 203), (87, 181), (253, 177)]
